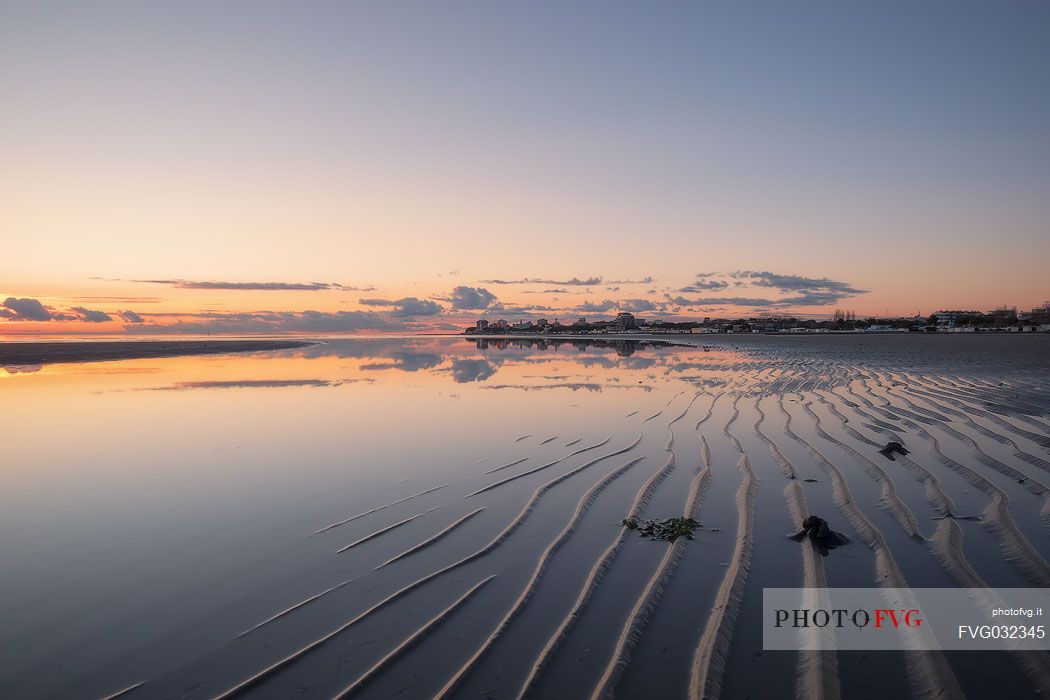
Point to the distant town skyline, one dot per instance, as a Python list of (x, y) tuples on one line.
[(269, 168), (207, 307)]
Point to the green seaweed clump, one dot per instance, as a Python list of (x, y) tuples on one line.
[(663, 529)]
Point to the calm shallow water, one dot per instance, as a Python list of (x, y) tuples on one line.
[(153, 510)]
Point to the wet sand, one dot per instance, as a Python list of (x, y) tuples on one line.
[(44, 353), (512, 577)]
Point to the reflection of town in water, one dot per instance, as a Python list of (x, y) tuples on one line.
[(622, 347)]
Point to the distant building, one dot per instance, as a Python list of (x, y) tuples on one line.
[(950, 319), (625, 321), (501, 324), (482, 324), (1040, 315), (1003, 316), (770, 324), (541, 322), (581, 321)]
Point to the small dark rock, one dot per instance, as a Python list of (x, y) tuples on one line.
[(820, 534), (892, 447)]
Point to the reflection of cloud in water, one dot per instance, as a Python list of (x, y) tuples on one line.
[(117, 370), (705, 381), (714, 366), (471, 371), (22, 369), (574, 386), (460, 359), (633, 362), (254, 384), (407, 361), (361, 348)]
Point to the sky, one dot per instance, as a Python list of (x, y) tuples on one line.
[(326, 167)]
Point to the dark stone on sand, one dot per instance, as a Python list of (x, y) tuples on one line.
[(820, 535), (892, 447)]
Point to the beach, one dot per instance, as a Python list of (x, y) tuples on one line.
[(443, 517), (45, 352), (506, 351)]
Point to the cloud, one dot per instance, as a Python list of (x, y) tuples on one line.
[(527, 309), (472, 298), (644, 280), (26, 309), (638, 305), (455, 327), (410, 306), (255, 286), (278, 322), (336, 321), (807, 299), (799, 290), (406, 307), (814, 298), (91, 316), (632, 305), (795, 283), (131, 317), (573, 282), (597, 307), (705, 286), (118, 300), (731, 301)]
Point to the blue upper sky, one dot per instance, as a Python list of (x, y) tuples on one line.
[(322, 140)]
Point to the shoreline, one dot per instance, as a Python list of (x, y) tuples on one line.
[(739, 334), (17, 353)]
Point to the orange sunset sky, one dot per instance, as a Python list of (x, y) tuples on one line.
[(314, 168)]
